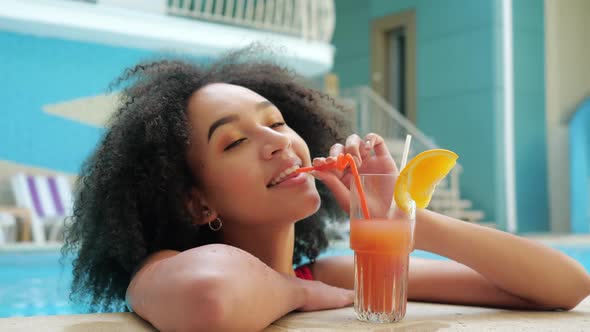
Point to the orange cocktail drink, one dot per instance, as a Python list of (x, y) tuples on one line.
[(382, 219), (381, 245)]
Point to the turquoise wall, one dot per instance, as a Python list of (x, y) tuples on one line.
[(38, 71), (579, 137), (459, 90), (352, 41), (529, 116)]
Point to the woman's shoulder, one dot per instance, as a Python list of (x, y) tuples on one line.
[(160, 255), (141, 273), (148, 264), (190, 254), (157, 267)]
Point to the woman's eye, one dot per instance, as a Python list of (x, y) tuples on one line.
[(277, 124), (234, 144)]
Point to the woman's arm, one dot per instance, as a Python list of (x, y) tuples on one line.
[(494, 268), (537, 274), (490, 268), (221, 288), (440, 281)]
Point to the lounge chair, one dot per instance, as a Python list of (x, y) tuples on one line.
[(7, 228), (48, 198)]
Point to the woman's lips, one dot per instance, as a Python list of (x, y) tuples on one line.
[(290, 180)]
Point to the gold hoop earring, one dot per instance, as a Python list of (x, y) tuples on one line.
[(217, 226)]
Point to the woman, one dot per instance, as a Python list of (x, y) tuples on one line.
[(189, 209)]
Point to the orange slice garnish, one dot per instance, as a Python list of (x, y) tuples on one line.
[(419, 178)]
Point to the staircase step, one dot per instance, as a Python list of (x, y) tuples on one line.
[(443, 193), (464, 203), (470, 215), (461, 204), (489, 224)]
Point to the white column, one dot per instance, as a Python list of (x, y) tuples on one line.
[(508, 115)]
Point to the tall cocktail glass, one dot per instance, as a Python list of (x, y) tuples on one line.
[(381, 246)]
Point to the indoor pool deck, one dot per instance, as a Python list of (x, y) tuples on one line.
[(419, 317)]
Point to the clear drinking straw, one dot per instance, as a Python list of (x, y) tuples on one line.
[(406, 152), (401, 167)]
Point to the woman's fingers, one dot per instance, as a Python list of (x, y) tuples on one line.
[(370, 150), (320, 296), (336, 149), (370, 154), (374, 142), (366, 147), (361, 149), (352, 146), (323, 161), (377, 144)]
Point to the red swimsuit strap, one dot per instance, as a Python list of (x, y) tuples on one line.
[(304, 272)]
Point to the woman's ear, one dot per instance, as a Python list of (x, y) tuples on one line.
[(198, 208)]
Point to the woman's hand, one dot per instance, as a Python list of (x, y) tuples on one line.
[(371, 156), (321, 296)]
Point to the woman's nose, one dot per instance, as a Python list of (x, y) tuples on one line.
[(275, 142)]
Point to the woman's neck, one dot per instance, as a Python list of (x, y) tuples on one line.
[(272, 245)]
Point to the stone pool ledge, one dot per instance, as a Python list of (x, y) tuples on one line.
[(419, 317)]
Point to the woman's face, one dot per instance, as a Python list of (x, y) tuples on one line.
[(243, 153)]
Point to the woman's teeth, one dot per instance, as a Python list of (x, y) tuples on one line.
[(283, 174)]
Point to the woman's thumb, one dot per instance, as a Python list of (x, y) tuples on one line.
[(335, 185)]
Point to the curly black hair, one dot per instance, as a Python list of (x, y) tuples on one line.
[(129, 194)]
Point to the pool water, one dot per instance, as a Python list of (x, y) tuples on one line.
[(36, 284)]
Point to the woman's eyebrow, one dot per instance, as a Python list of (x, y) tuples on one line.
[(221, 122), (264, 104)]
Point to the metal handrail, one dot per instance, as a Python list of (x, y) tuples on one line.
[(366, 96), (372, 113), (309, 19)]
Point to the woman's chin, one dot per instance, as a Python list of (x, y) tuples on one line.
[(311, 206)]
